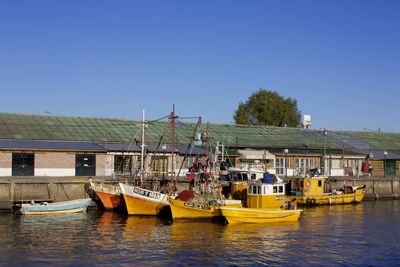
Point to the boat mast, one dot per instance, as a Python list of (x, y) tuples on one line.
[(142, 173), (207, 171), (172, 120)]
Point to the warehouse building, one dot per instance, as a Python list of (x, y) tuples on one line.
[(60, 146)]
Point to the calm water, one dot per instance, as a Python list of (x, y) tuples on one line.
[(365, 234)]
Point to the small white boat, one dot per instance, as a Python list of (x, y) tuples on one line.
[(71, 206)]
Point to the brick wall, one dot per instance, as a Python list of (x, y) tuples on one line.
[(54, 160), (5, 160)]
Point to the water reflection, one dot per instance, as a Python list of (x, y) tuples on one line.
[(31, 237), (336, 235)]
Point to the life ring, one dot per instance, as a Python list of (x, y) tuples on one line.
[(307, 184)]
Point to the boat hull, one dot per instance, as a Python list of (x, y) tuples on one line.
[(109, 201), (331, 199), (186, 210), (140, 201), (248, 215), (65, 207), (109, 195)]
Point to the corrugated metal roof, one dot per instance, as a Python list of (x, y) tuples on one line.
[(113, 131), (50, 145), (179, 148)]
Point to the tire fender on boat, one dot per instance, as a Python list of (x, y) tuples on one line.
[(307, 184)]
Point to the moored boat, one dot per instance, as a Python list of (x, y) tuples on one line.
[(199, 208), (192, 210), (248, 215), (266, 204), (235, 180), (109, 194), (141, 201), (44, 208), (312, 191)]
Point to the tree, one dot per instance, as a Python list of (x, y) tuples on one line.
[(268, 108)]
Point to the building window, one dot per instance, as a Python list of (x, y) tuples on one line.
[(281, 165), (85, 165), (335, 164), (160, 166), (304, 164), (122, 165), (23, 164)]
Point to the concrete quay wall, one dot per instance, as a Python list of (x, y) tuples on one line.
[(376, 187), (54, 189)]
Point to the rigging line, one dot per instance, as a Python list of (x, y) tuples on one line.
[(153, 157), (163, 118), (190, 118), (189, 146), (133, 139)]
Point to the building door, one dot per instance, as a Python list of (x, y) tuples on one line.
[(390, 167), (85, 165), (23, 164)]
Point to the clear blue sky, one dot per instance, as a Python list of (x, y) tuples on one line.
[(340, 59)]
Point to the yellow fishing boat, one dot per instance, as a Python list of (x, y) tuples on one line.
[(192, 210), (141, 201), (200, 209), (266, 204), (318, 191), (235, 181)]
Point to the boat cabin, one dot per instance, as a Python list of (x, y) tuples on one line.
[(235, 181), (310, 187), (241, 175), (265, 195)]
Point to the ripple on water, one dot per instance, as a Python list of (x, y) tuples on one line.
[(366, 234)]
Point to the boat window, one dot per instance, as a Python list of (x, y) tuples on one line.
[(265, 188), (319, 183), (281, 189), (245, 178), (259, 190), (254, 189), (275, 189), (253, 176)]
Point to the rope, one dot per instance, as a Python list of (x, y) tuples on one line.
[(62, 185)]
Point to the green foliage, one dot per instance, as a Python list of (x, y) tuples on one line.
[(268, 108)]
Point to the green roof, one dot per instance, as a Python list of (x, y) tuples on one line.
[(103, 130)]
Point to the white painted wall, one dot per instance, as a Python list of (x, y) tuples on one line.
[(5, 172), (109, 171), (337, 172), (54, 172)]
